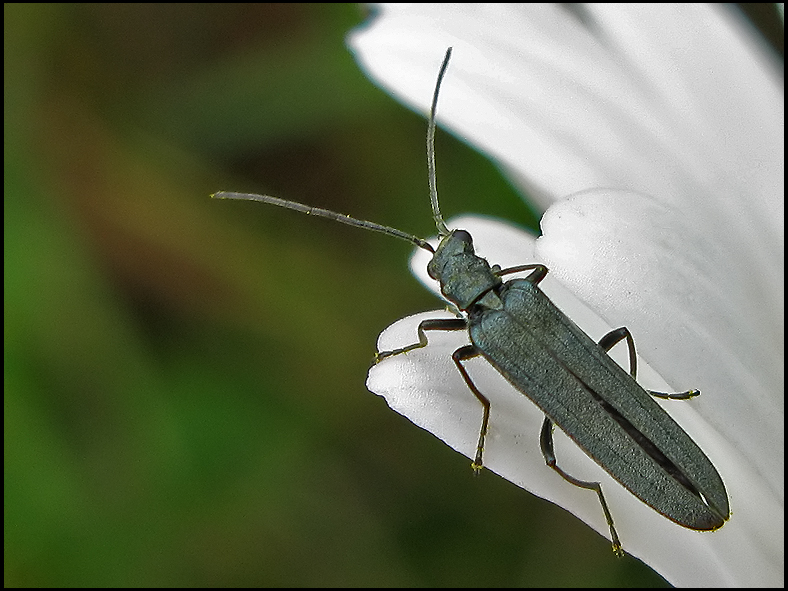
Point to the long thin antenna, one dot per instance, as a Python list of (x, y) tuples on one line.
[(326, 213), (436, 212)]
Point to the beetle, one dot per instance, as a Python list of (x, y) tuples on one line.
[(570, 377)]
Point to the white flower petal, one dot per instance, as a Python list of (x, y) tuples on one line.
[(425, 386), (624, 96), (679, 108)]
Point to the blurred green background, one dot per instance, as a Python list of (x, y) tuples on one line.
[(184, 378)]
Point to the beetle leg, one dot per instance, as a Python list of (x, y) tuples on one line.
[(539, 272), (460, 355), (675, 395), (612, 338), (546, 443), (431, 324)]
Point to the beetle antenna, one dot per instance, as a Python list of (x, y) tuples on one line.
[(436, 212), (327, 213)]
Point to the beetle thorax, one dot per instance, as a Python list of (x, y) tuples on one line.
[(464, 276)]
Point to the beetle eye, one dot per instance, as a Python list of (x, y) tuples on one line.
[(463, 235)]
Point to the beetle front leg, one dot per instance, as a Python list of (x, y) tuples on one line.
[(431, 324), (538, 272), (548, 450), (612, 338)]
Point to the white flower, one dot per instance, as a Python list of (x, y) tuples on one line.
[(653, 135)]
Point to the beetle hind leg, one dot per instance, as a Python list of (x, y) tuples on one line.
[(548, 450)]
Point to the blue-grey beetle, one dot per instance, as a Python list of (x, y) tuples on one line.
[(570, 377)]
